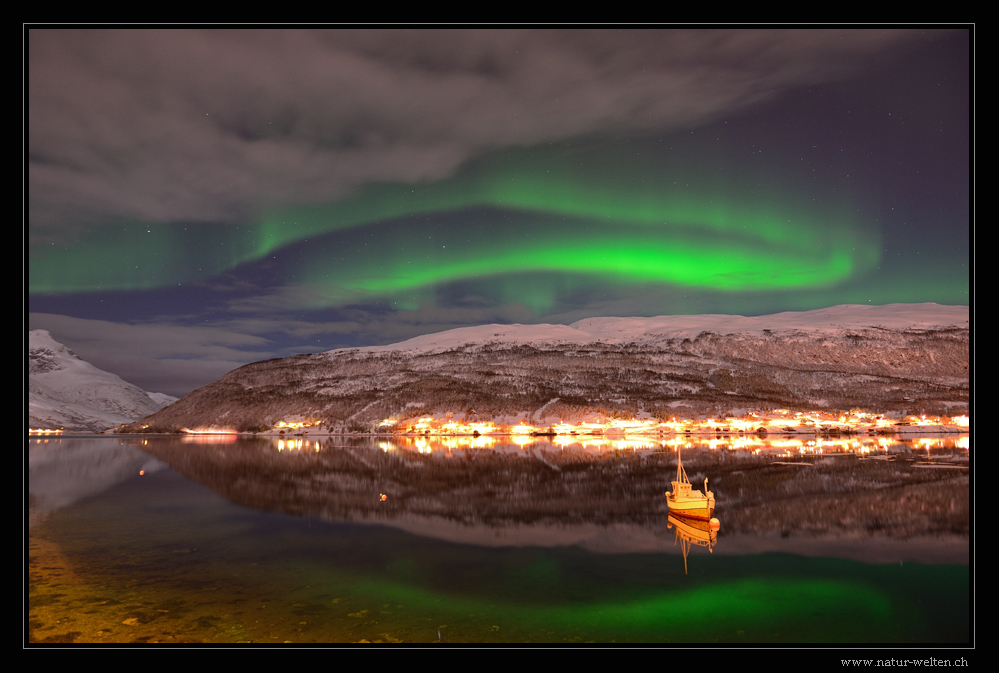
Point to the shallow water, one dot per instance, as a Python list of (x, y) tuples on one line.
[(123, 547)]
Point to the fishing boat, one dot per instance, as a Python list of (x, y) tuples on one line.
[(687, 502)]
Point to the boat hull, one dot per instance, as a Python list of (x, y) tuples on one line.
[(693, 530), (700, 509), (697, 512)]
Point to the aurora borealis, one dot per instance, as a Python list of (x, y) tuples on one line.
[(203, 199)]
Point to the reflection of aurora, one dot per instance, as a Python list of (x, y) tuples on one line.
[(856, 611), (530, 224)]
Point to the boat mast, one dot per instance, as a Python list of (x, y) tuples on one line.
[(681, 474)]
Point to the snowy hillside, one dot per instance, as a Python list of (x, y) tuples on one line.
[(885, 358), (66, 392), (626, 330)]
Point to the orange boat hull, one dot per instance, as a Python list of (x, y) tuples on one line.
[(701, 513), (693, 505)]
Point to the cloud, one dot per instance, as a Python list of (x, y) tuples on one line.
[(174, 358), (392, 327), (367, 325), (167, 358), (215, 125)]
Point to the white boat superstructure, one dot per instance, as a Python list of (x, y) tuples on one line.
[(685, 501)]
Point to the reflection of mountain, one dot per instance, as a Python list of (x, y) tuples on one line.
[(878, 358), (63, 471), (845, 496), (611, 501), (64, 392)]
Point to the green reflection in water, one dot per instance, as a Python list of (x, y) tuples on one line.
[(763, 610), (162, 557)]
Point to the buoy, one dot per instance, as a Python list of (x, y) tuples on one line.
[(384, 497), (715, 524)]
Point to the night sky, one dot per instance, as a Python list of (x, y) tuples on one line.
[(200, 199)]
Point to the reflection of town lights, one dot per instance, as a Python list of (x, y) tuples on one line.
[(815, 432), (521, 440), (210, 438), (484, 442)]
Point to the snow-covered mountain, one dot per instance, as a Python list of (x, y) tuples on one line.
[(66, 392), (911, 357), (831, 321)]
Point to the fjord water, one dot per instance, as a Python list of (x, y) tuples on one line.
[(125, 546)]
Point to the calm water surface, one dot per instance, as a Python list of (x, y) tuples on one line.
[(158, 540)]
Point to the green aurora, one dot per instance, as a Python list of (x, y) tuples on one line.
[(638, 219)]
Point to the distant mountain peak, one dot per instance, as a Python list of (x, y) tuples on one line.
[(67, 392), (45, 354)]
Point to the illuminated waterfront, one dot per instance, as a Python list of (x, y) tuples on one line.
[(855, 422)]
